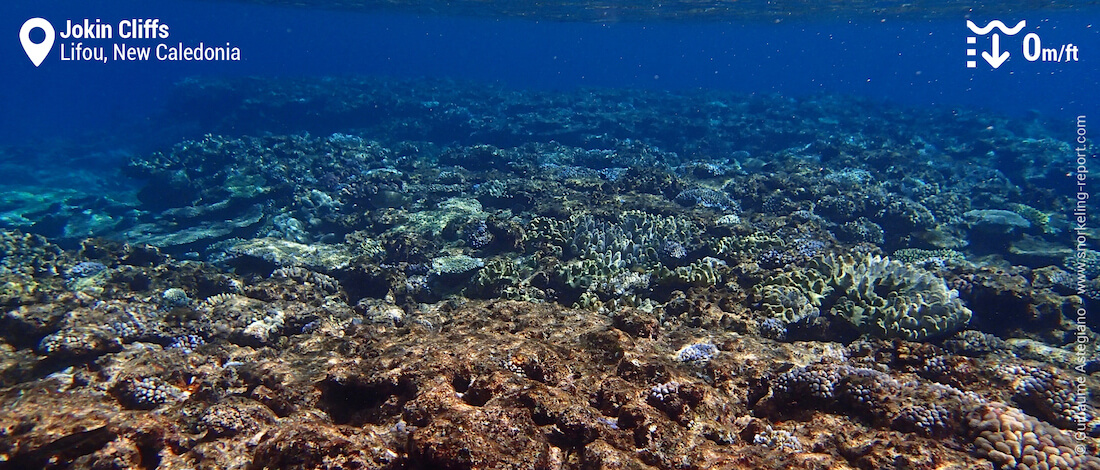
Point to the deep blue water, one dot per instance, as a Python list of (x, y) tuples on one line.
[(914, 62)]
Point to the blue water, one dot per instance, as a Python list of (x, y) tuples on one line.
[(914, 62)]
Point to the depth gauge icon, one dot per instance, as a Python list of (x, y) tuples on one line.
[(995, 56)]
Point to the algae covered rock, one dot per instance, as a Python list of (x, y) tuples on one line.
[(456, 264), (995, 221), (707, 197), (877, 296), (80, 341), (29, 255), (284, 253), (918, 256)]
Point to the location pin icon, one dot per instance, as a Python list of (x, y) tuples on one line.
[(36, 52)]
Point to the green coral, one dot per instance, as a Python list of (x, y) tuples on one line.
[(548, 234), (507, 278), (631, 240), (757, 242), (786, 303), (878, 296), (705, 272), (588, 301), (618, 256), (584, 274), (725, 247), (1035, 216)]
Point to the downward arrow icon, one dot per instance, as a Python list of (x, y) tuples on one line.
[(997, 57)]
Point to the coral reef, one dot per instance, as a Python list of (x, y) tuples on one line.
[(388, 274)]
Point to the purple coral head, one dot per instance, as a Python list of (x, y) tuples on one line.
[(479, 235), (86, 269), (697, 352)]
